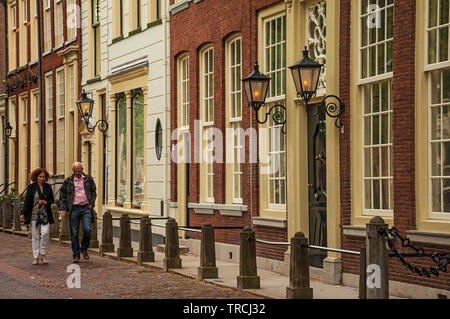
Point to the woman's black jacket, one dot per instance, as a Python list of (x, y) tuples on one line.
[(47, 195)]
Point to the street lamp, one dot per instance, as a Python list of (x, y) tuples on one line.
[(306, 75), (256, 86), (85, 106), (8, 130)]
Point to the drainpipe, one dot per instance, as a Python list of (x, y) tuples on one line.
[(166, 115), (41, 144), (5, 12)]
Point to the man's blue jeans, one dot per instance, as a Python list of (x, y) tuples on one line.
[(84, 215)]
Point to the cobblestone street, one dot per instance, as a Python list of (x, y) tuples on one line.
[(100, 277)]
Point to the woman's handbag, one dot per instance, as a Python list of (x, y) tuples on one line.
[(42, 212)]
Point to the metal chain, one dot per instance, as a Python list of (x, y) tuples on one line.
[(393, 233)]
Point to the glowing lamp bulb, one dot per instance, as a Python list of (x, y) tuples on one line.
[(305, 83), (256, 93)]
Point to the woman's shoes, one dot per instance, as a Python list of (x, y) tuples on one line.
[(44, 260), (35, 261)]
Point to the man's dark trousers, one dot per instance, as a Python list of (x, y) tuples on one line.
[(83, 214)]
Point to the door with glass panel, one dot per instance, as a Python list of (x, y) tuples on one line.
[(317, 184)]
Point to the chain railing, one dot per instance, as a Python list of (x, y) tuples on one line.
[(442, 260)]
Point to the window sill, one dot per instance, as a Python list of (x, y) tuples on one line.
[(137, 31), (96, 79), (429, 237), (270, 222), (119, 38), (357, 231), (71, 41), (179, 6), (46, 53), (234, 210), (154, 23)]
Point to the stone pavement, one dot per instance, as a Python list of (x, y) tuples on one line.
[(100, 277)]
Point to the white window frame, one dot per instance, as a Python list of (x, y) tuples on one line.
[(274, 98), (433, 214), (49, 120), (436, 65), (24, 102), (377, 77), (47, 29), (72, 87), (13, 118), (14, 17), (207, 76), (36, 106), (60, 93), (236, 95), (209, 167), (184, 92), (59, 23), (390, 177), (235, 108), (274, 150), (25, 11)]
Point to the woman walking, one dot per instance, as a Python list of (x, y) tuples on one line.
[(37, 210)]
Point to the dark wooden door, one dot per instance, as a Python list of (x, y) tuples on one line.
[(317, 183)]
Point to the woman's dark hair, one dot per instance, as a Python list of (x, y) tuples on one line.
[(36, 172)]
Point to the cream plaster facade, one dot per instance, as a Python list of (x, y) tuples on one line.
[(134, 54)]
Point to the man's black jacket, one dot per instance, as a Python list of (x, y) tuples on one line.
[(47, 195), (67, 190)]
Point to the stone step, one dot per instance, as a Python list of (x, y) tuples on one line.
[(161, 248)]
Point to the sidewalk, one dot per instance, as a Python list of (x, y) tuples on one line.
[(273, 285)]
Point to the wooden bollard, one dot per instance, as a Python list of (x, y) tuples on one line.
[(1, 213), (248, 274), (107, 245), (6, 214), (54, 228), (172, 250), (377, 266), (125, 249), (17, 211), (362, 273), (299, 285), (64, 235), (94, 231), (207, 269), (145, 253)]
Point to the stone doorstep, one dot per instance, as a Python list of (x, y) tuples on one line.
[(183, 249)]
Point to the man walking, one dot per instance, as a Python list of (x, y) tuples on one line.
[(78, 194)]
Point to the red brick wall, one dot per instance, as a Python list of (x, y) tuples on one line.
[(403, 140), (212, 22)]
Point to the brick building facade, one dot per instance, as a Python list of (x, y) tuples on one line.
[(412, 211), (43, 120), (193, 27)]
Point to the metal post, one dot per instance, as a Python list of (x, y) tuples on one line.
[(17, 210), (94, 231)]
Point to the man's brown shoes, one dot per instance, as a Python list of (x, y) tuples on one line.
[(76, 260), (85, 254)]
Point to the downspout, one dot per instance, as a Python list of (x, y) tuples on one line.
[(167, 108), (5, 12), (41, 144)]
